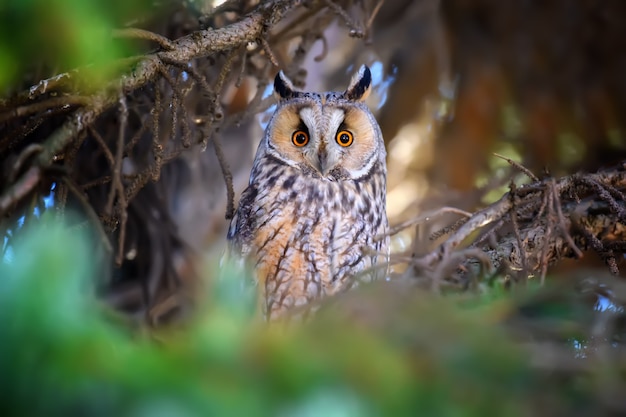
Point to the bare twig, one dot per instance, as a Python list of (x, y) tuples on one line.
[(100, 181), (45, 105), (561, 221), (26, 154), (448, 229), (136, 33), (147, 69), (516, 231), (174, 106), (603, 192), (103, 146), (228, 176), (268, 51), (454, 261), (370, 21), (70, 156), (355, 30), (157, 148), (519, 167), (117, 187), (532, 233), (20, 189), (130, 145), (421, 219), (548, 233), (242, 69), (15, 136), (498, 209), (78, 194)]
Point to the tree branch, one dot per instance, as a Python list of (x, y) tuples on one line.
[(149, 67), (580, 212)]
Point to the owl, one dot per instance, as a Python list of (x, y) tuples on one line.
[(312, 221)]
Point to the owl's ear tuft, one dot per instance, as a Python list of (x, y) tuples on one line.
[(283, 87), (360, 85)]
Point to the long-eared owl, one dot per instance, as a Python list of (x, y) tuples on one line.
[(313, 219)]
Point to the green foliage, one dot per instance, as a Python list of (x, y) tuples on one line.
[(60, 356), (51, 36)]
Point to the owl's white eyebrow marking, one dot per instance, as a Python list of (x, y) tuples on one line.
[(326, 123), (307, 114), (334, 119), (310, 119)]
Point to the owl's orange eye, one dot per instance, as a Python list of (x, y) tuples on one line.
[(300, 138), (345, 138)]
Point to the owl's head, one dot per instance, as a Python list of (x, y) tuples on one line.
[(329, 135)]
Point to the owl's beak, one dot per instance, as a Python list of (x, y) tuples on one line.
[(323, 163), (323, 160), (327, 162)]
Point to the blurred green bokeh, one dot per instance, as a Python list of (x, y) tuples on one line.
[(60, 354), (41, 38)]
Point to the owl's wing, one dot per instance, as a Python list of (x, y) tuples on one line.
[(233, 228), (233, 263), (241, 227), (232, 252)]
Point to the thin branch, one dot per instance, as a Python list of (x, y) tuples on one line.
[(422, 219), (449, 229), (268, 51), (157, 148), (548, 232), (228, 176), (26, 154), (45, 105), (355, 30), (136, 136), (545, 238), (100, 181), (242, 69), (117, 188), (23, 130), (519, 167), (20, 189), (195, 45), (497, 210), (78, 194), (69, 158), (516, 231), (103, 146), (604, 193), (370, 21), (561, 221), (136, 33), (42, 87)]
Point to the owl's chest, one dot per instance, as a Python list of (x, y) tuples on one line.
[(310, 239)]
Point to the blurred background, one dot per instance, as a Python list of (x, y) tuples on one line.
[(454, 81), (539, 82)]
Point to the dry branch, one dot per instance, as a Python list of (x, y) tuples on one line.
[(195, 45), (549, 220), (148, 68)]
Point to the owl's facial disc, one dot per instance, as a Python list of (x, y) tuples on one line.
[(336, 139)]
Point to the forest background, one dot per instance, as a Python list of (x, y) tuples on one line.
[(127, 130)]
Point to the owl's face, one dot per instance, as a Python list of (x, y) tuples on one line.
[(329, 135)]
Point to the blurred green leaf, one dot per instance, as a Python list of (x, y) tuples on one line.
[(420, 356), (46, 37)]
